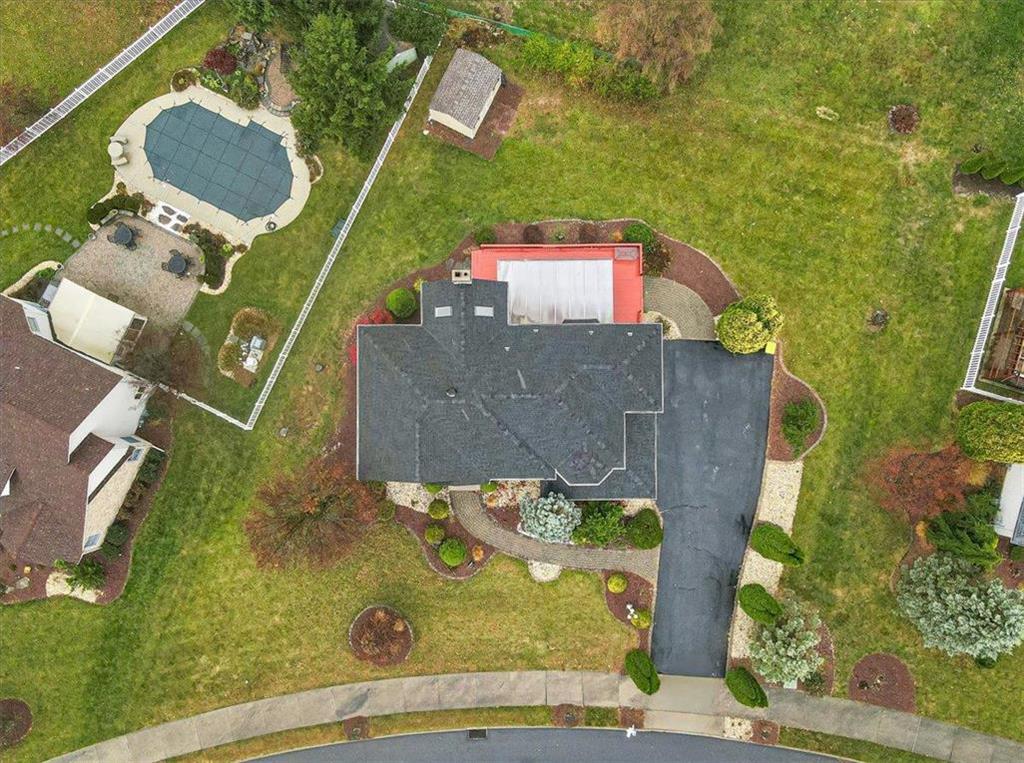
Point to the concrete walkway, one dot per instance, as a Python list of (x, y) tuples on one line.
[(682, 305), (472, 515), (694, 705)]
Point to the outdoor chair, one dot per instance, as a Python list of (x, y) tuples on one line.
[(119, 161)]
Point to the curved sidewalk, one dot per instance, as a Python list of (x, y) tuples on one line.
[(694, 705), (471, 515)]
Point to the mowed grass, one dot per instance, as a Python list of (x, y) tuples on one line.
[(55, 45), (832, 217)]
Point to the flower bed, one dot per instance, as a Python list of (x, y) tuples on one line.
[(478, 553)]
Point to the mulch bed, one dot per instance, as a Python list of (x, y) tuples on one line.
[(1011, 573), (239, 374), (826, 649), (631, 716), (567, 716), (357, 727), (970, 184), (639, 593), (786, 389), (506, 516), (492, 132), (416, 522), (15, 721), (882, 679), (380, 635), (765, 732)]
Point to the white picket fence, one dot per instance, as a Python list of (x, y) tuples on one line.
[(992, 303), (99, 79)]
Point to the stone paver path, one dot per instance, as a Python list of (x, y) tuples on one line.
[(682, 305), (471, 514), (683, 704)]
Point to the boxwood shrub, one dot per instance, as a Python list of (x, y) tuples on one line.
[(617, 583), (772, 542), (640, 619), (434, 534), (644, 529), (452, 551), (745, 688), (760, 605), (401, 303), (439, 509), (992, 432), (433, 487), (640, 668)]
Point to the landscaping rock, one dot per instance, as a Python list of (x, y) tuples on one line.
[(543, 572)]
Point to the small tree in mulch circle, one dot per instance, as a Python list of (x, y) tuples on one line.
[(15, 721), (380, 635), (904, 118)]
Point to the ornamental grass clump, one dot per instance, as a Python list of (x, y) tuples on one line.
[(550, 518), (787, 650), (958, 611), (772, 542), (748, 325), (759, 605)]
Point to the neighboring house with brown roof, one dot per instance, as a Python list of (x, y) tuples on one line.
[(465, 93), (68, 450)]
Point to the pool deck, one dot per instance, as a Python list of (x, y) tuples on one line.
[(137, 174)]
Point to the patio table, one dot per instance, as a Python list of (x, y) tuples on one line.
[(123, 235), (177, 265), (116, 150)]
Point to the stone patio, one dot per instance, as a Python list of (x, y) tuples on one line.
[(134, 278)]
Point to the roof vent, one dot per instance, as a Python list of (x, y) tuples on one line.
[(451, 392), (461, 276), (444, 311), (483, 311), (627, 252)]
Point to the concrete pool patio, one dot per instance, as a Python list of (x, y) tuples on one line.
[(140, 172)]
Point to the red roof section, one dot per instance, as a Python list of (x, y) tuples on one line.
[(627, 268)]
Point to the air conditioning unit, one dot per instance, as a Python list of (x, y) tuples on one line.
[(462, 276)]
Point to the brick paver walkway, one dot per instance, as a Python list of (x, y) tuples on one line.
[(683, 704), (471, 515), (682, 304)]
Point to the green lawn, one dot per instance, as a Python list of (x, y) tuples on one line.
[(831, 217), (847, 748)]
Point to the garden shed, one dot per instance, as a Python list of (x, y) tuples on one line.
[(465, 93)]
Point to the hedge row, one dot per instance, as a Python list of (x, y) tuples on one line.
[(581, 68)]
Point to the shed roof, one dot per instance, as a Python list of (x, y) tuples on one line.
[(465, 88)]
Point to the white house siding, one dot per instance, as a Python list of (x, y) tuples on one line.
[(40, 323), (117, 414), (1010, 501), (103, 508)]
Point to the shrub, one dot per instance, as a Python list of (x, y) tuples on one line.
[(799, 421), (1017, 553), (488, 487), (748, 325), (772, 542), (87, 575), (644, 529), (814, 684), (580, 68), (150, 468), (221, 61), (641, 669), (439, 509), (401, 303), (485, 235), (656, 257), (992, 431), (550, 518), (617, 583), (957, 611), (244, 90), (433, 487), (212, 246), (759, 605), (434, 534), (121, 201), (640, 619), (452, 551), (422, 28), (255, 14), (745, 688), (532, 234), (116, 537), (183, 79), (601, 523), (968, 533), (787, 649)]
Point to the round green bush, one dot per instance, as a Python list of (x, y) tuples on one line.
[(433, 487), (434, 534), (644, 530), (439, 509), (452, 552), (760, 605), (641, 669), (617, 582), (745, 688), (992, 432), (748, 325), (772, 542), (401, 303), (488, 487), (641, 619)]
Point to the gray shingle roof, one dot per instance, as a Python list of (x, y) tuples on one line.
[(466, 398), (465, 87)]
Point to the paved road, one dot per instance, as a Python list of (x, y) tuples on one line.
[(711, 449), (549, 746)]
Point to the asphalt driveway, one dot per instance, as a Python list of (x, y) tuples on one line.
[(548, 745), (711, 450)]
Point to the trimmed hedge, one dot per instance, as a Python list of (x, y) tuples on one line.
[(121, 201), (439, 509), (617, 583), (992, 432), (745, 688), (772, 542), (644, 530), (760, 605), (401, 303), (452, 551), (640, 668)]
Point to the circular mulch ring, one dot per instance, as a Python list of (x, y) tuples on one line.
[(567, 716), (357, 727), (883, 680), (904, 118), (380, 635), (15, 721), (631, 716), (765, 732)]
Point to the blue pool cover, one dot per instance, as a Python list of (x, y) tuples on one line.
[(243, 170)]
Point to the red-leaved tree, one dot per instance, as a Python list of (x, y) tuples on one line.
[(221, 61)]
